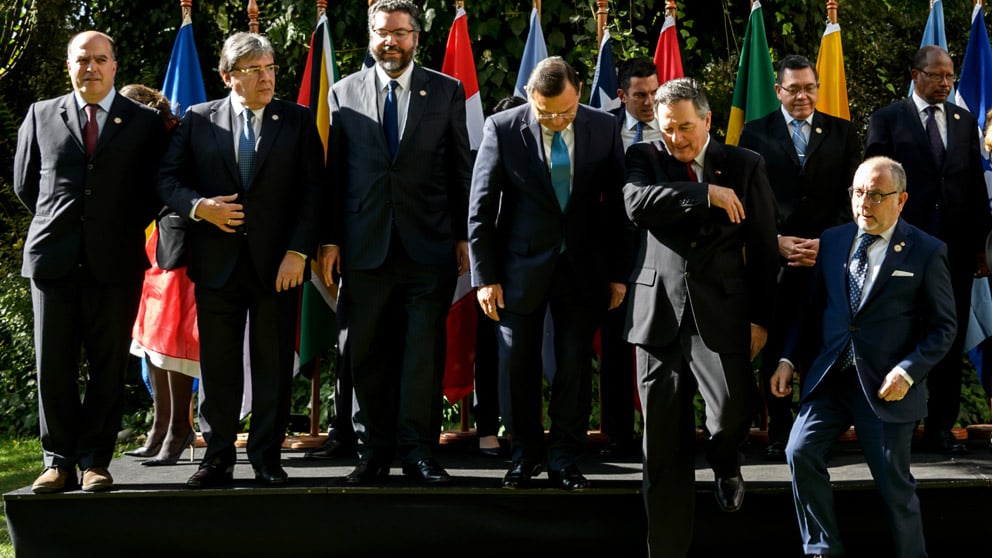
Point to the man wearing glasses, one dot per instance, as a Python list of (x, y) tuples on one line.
[(810, 158), (879, 318), (399, 168), (546, 227), (247, 170), (937, 144)]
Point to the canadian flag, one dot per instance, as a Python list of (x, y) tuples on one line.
[(459, 368)]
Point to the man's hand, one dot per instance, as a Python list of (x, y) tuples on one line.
[(617, 292), (461, 256), (781, 382), (726, 199), (800, 252), (759, 336), (894, 388), (490, 298), (223, 214), (330, 263), (290, 272)]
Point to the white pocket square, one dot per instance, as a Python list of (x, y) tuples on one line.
[(901, 273)]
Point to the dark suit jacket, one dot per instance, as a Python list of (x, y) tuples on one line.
[(950, 203), (516, 226), (689, 250), (813, 197), (907, 318), (280, 203), (423, 192), (93, 208)]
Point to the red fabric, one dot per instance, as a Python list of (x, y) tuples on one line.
[(91, 130), (667, 56), (692, 173), (459, 369), (166, 322)]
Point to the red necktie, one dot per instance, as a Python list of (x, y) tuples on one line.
[(91, 131), (692, 173)]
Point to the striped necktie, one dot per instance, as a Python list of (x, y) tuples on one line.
[(799, 140)]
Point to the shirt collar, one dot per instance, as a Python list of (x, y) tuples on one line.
[(239, 108), (383, 79), (886, 235), (631, 122), (701, 158), (104, 103), (921, 104), (789, 118)]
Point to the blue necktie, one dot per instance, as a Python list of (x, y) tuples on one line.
[(560, 169), (246, 149), (936, 144), (799, 140), (639, 132), (390, 121), (857, 271)]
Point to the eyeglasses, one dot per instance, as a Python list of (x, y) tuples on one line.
[(937, 78), (398, 34), (795, 89), (874, 198), (255, 71), (549, 116)]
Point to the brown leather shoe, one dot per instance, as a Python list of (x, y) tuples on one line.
[(97, 479), (55, 479)]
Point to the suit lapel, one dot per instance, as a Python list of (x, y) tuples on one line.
[(221, 117), (368, 105), (70, 116), (530, 131), (272, 119), (783, 134), (581, 134), (120, 112), (817, 134), (895, 255), (918, 131), (713, 171), (419, 95)]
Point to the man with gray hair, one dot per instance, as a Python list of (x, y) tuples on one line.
[(700, 304), (399, 171), (247, 171), (879, 318)]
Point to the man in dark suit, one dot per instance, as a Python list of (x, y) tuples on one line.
[(84, 168), (879, 318), (247, 170), (937, 144), (547, 228), (810, 158), (399, 166), (638, 79), (699, 307)]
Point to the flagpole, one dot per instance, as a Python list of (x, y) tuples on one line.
[(466, 403), (252, 16), (832, 11), (321, 8), (537, 4), (670, 8), (602, 10), (315, 437)]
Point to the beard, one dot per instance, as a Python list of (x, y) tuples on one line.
[(393, 65)]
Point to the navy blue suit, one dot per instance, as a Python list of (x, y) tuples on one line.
[(516, 228), (906, 319)]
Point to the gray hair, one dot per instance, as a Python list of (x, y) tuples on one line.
[(240, 45), (896, 172), (390, 6), (683, 89)]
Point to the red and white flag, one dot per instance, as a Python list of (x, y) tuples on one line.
[(667, 56), (459, 368)]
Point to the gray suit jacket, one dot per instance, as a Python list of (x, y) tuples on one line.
[(88, 209), (422, 192)]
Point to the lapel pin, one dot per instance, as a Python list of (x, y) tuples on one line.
[(424, 93), (898, 247), (717, 172), (957, 117), (117, 120), (819, 130), (275, 117)]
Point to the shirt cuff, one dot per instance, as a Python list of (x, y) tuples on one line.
[(192, 212), (904, 374)]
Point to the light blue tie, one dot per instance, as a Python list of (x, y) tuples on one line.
[(799, 140), (560, 169), (246, 149), (390, 119)]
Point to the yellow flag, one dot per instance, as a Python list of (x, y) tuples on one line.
[(830, 68)]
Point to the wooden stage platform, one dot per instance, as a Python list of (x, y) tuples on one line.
[(151, 514)]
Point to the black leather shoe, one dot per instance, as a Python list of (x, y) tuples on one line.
[(730, 492), (775, 452), (368, 472), (332, 448), (569, 478), (520, 474), (271, 476), (943, 442), (427, 470), (210, 475), (491, 452)]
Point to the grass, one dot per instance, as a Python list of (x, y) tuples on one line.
[(20, 462)]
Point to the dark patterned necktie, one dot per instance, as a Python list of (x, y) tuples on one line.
[(91, 131), (933, 133), (246, 149), (857, 271), (390, 119), (638, 132)]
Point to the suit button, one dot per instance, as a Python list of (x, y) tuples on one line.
[(692, 245), (88, 192), (851, 328), (89, 166)]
